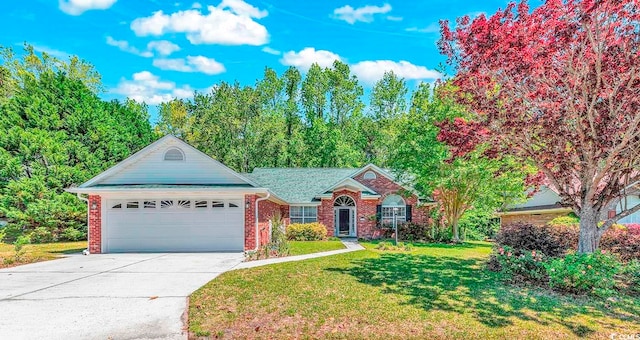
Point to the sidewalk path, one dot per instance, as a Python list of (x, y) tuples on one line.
[(351, 244)]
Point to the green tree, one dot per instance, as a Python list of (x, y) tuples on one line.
[(458, 185), (58, 133)]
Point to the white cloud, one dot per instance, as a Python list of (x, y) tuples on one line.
[(307, 57), (370, 71), (196, 5), (191, 64), (270, 50), (51, 51), (77, 7), (363, 14), (432, 28), (229, 23), (149, 88), (394, 18), (163, 47), (123, 45)]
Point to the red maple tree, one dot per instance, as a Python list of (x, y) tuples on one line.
[(558, 86)]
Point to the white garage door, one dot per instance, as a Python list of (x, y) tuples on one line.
[(174, 225)]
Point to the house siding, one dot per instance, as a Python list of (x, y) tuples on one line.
[(95, 224), (535, 219)]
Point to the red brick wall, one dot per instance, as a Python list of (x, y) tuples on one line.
[(385, 187), (95, 224), (266, 210)]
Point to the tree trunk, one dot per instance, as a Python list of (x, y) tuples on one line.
[(456, 234), (589, 234)]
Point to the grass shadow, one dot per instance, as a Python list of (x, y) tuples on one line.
[(461, 285)]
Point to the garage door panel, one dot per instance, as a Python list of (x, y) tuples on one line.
[(173, 244), (132, 228)]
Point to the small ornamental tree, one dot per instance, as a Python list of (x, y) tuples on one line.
[(558, 86)]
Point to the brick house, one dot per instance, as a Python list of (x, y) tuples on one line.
[(171, 197), (546, 205)]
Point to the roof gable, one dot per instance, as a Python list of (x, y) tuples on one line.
[(349, 184), (148, 166)]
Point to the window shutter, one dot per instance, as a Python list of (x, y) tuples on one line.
[(378, 213), (408, 213)]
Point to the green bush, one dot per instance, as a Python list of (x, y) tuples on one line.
[(306, 232), (631, 276), (42, 235), (584, 273), (72, 234), (518, 266), (563, 221)]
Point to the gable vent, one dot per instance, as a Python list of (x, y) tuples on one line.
[(369, 175), (174, 154)]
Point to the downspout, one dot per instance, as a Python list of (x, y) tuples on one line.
[(86, 251), (257, 228)]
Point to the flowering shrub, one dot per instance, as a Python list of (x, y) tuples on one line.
[(306, 232), (584, 273), (520, 266), (623, 240), (631, 276), (551, 241)]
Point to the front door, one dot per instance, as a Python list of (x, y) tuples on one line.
[(344, 219)]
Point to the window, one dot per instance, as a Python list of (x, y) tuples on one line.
[(344, 201), (184, 204), (370, 175), (200, 204), (133, 205), (234, 204), (149, 204), (393, 204), (174, 154), (303, 214), (117, 206), (166, 204), (217, 204)]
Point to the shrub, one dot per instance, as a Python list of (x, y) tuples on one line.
[(584, 273), (520, 266), (278, 244), (306, 232), (631, 276), (622, 240), (565, 221), (413, 232), (72, 234), (42, 235), (551, 241), (401, 246)]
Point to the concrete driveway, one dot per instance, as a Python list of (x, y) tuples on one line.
[(110, 296)]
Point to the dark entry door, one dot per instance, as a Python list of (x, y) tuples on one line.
[(344, 221)]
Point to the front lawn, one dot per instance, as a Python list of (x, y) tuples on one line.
[(38, 252), (434, 291), (308, 247)]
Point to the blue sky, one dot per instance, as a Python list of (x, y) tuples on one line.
[(152, 50)]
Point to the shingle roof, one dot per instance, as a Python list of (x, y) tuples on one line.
[(298, 185)]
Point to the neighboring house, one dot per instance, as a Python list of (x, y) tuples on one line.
[(545, 205), (171, 197)]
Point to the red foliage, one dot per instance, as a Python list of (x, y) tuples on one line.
[(557, 85)]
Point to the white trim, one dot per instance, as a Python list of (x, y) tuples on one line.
[(303, 204), (377, 169), (168, 139), (353, 218), (344, 183)]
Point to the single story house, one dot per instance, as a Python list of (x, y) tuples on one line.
[(545, 205), (171, 197)]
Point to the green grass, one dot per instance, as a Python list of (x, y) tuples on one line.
[(308, 247), (434, 291), (38, 252)]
